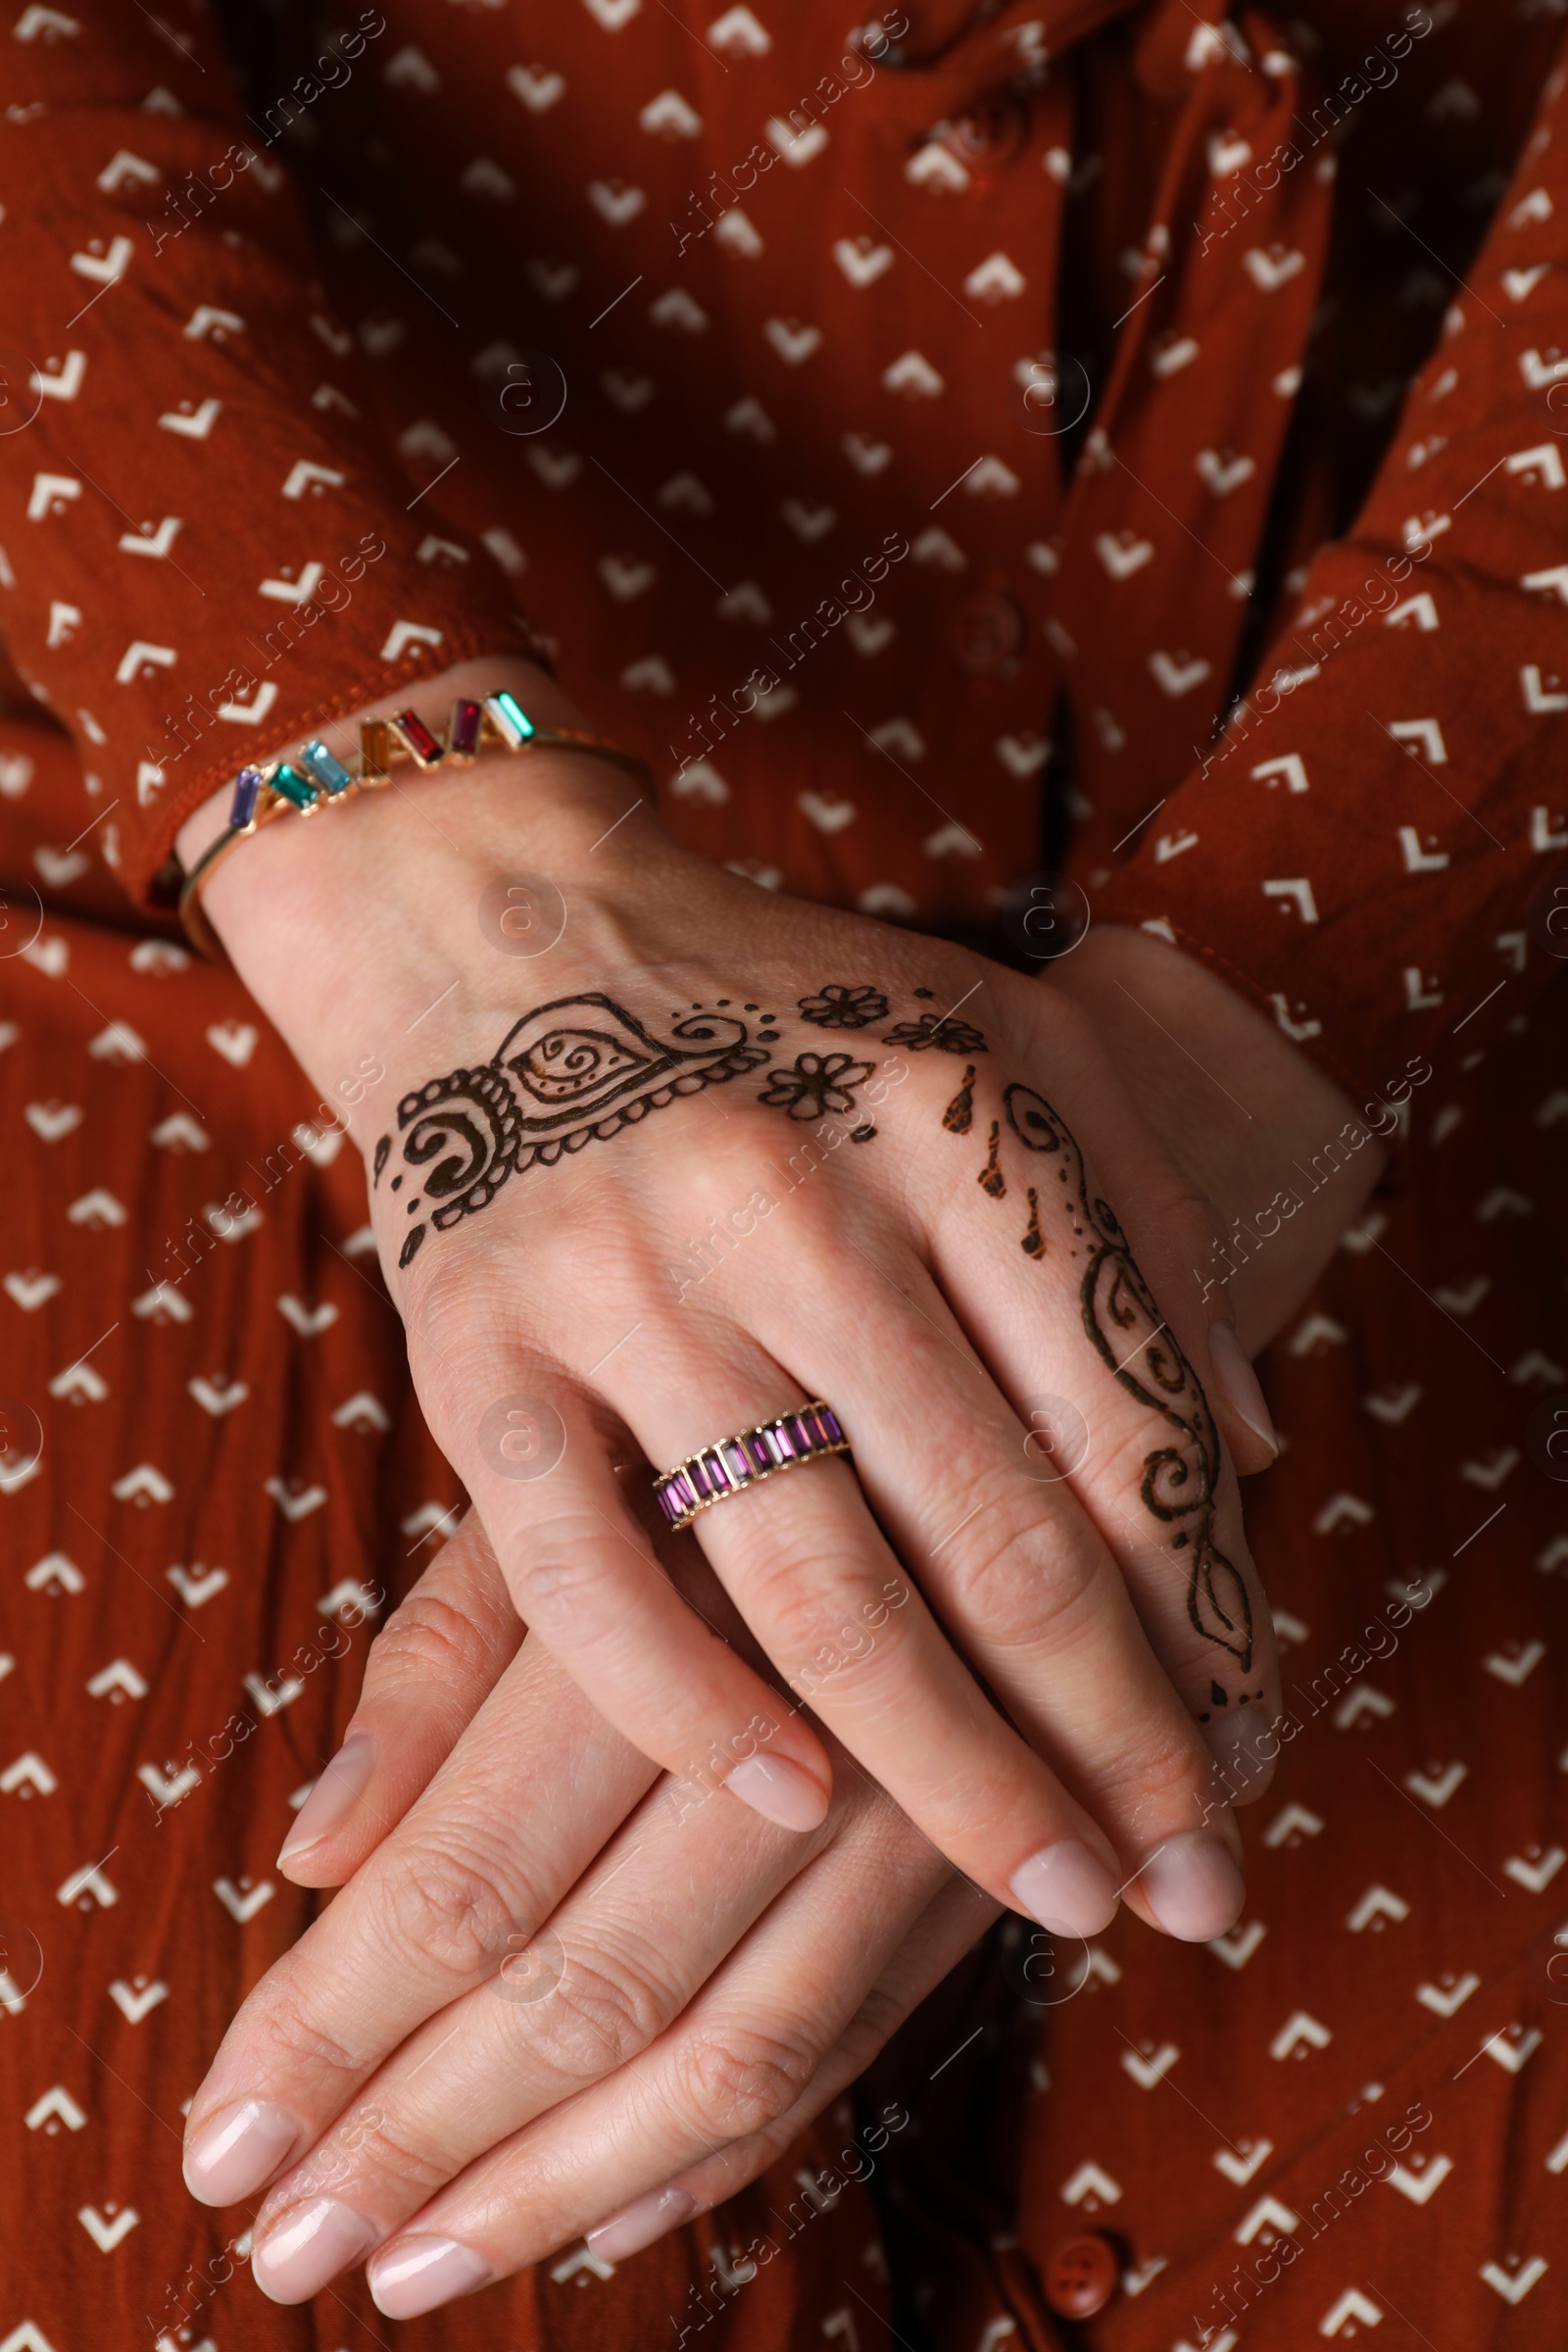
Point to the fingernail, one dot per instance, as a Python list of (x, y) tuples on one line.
[(1245, 1744), (637, 2225), (338, 1789), (780, 1791), (240, 2148), (1194, 1890), (297, 2259), (421, 2273), (1066, 1888), (1238, 1384)]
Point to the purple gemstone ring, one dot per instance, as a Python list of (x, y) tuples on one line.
[(721, 1470)]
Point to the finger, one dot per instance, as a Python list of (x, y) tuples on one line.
[(1143, 1449), (619, 1961), (583, 1574), (1174, 1229), (1016, 1569), (429, 1669), (945, 1930), (774, 2033), (802, 1558), (463, 1881)]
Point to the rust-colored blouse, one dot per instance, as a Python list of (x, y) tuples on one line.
[(1123, 442)]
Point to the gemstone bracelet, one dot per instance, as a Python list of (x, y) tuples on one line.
[(311, 778)]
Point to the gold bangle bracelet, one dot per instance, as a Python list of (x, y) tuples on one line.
[(312, 779)]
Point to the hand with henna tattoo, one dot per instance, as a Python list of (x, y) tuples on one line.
[(617, 1214)]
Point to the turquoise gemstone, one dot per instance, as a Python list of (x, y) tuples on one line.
[(296, 788), (509, 716), (324, 769)]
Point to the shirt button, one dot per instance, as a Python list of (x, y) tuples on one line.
[(1081, 2277), (987, 135), (988, 633)]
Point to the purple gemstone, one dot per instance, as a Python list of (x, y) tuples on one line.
[(799, 1436), (813, 1428), (778, 1444), (735, 1458), (718, 1478), (247, 784), (699, 1483), (680, 1488), (758, 1451), (668, 1505), (829, 1421)]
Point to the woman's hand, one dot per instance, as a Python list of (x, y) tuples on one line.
[(500, 2035), (1284, 1158), (614, 1236)]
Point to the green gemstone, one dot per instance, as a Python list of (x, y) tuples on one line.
[(294, 787), (510, 717)]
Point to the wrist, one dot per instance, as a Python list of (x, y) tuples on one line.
[(431, 698), (341, 919)]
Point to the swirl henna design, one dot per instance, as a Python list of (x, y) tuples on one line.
[(1118, 1308), (568, 1073), (1122, 1319), (583, 1067)]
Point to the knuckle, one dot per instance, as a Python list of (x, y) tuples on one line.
[(365, 2140), (428, 1636), (447, 1908), (802, 1601), (298, 2046), (735, 2080), (593, 2021), (1161, 1773), (1018, 1583), (564, 1580)]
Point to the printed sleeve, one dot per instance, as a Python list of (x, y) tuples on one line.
[(1379, 839), (206, 540)]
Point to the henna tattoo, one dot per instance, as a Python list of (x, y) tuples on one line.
[(1126, 1327), (839, 1007), (937, 1029), (381, 1150), (819, 1083), (568, 1073), (959, 1117), (1128, 1331), (991, 1179)]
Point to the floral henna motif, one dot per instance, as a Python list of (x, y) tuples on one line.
[(568, 1073), (819, 1084), (839, 1007), (1124, 1323), (937, 1029)]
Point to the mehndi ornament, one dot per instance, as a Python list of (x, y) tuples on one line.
[(311, 778)]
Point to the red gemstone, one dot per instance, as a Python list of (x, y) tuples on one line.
[(417, 736), (462, 734)]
